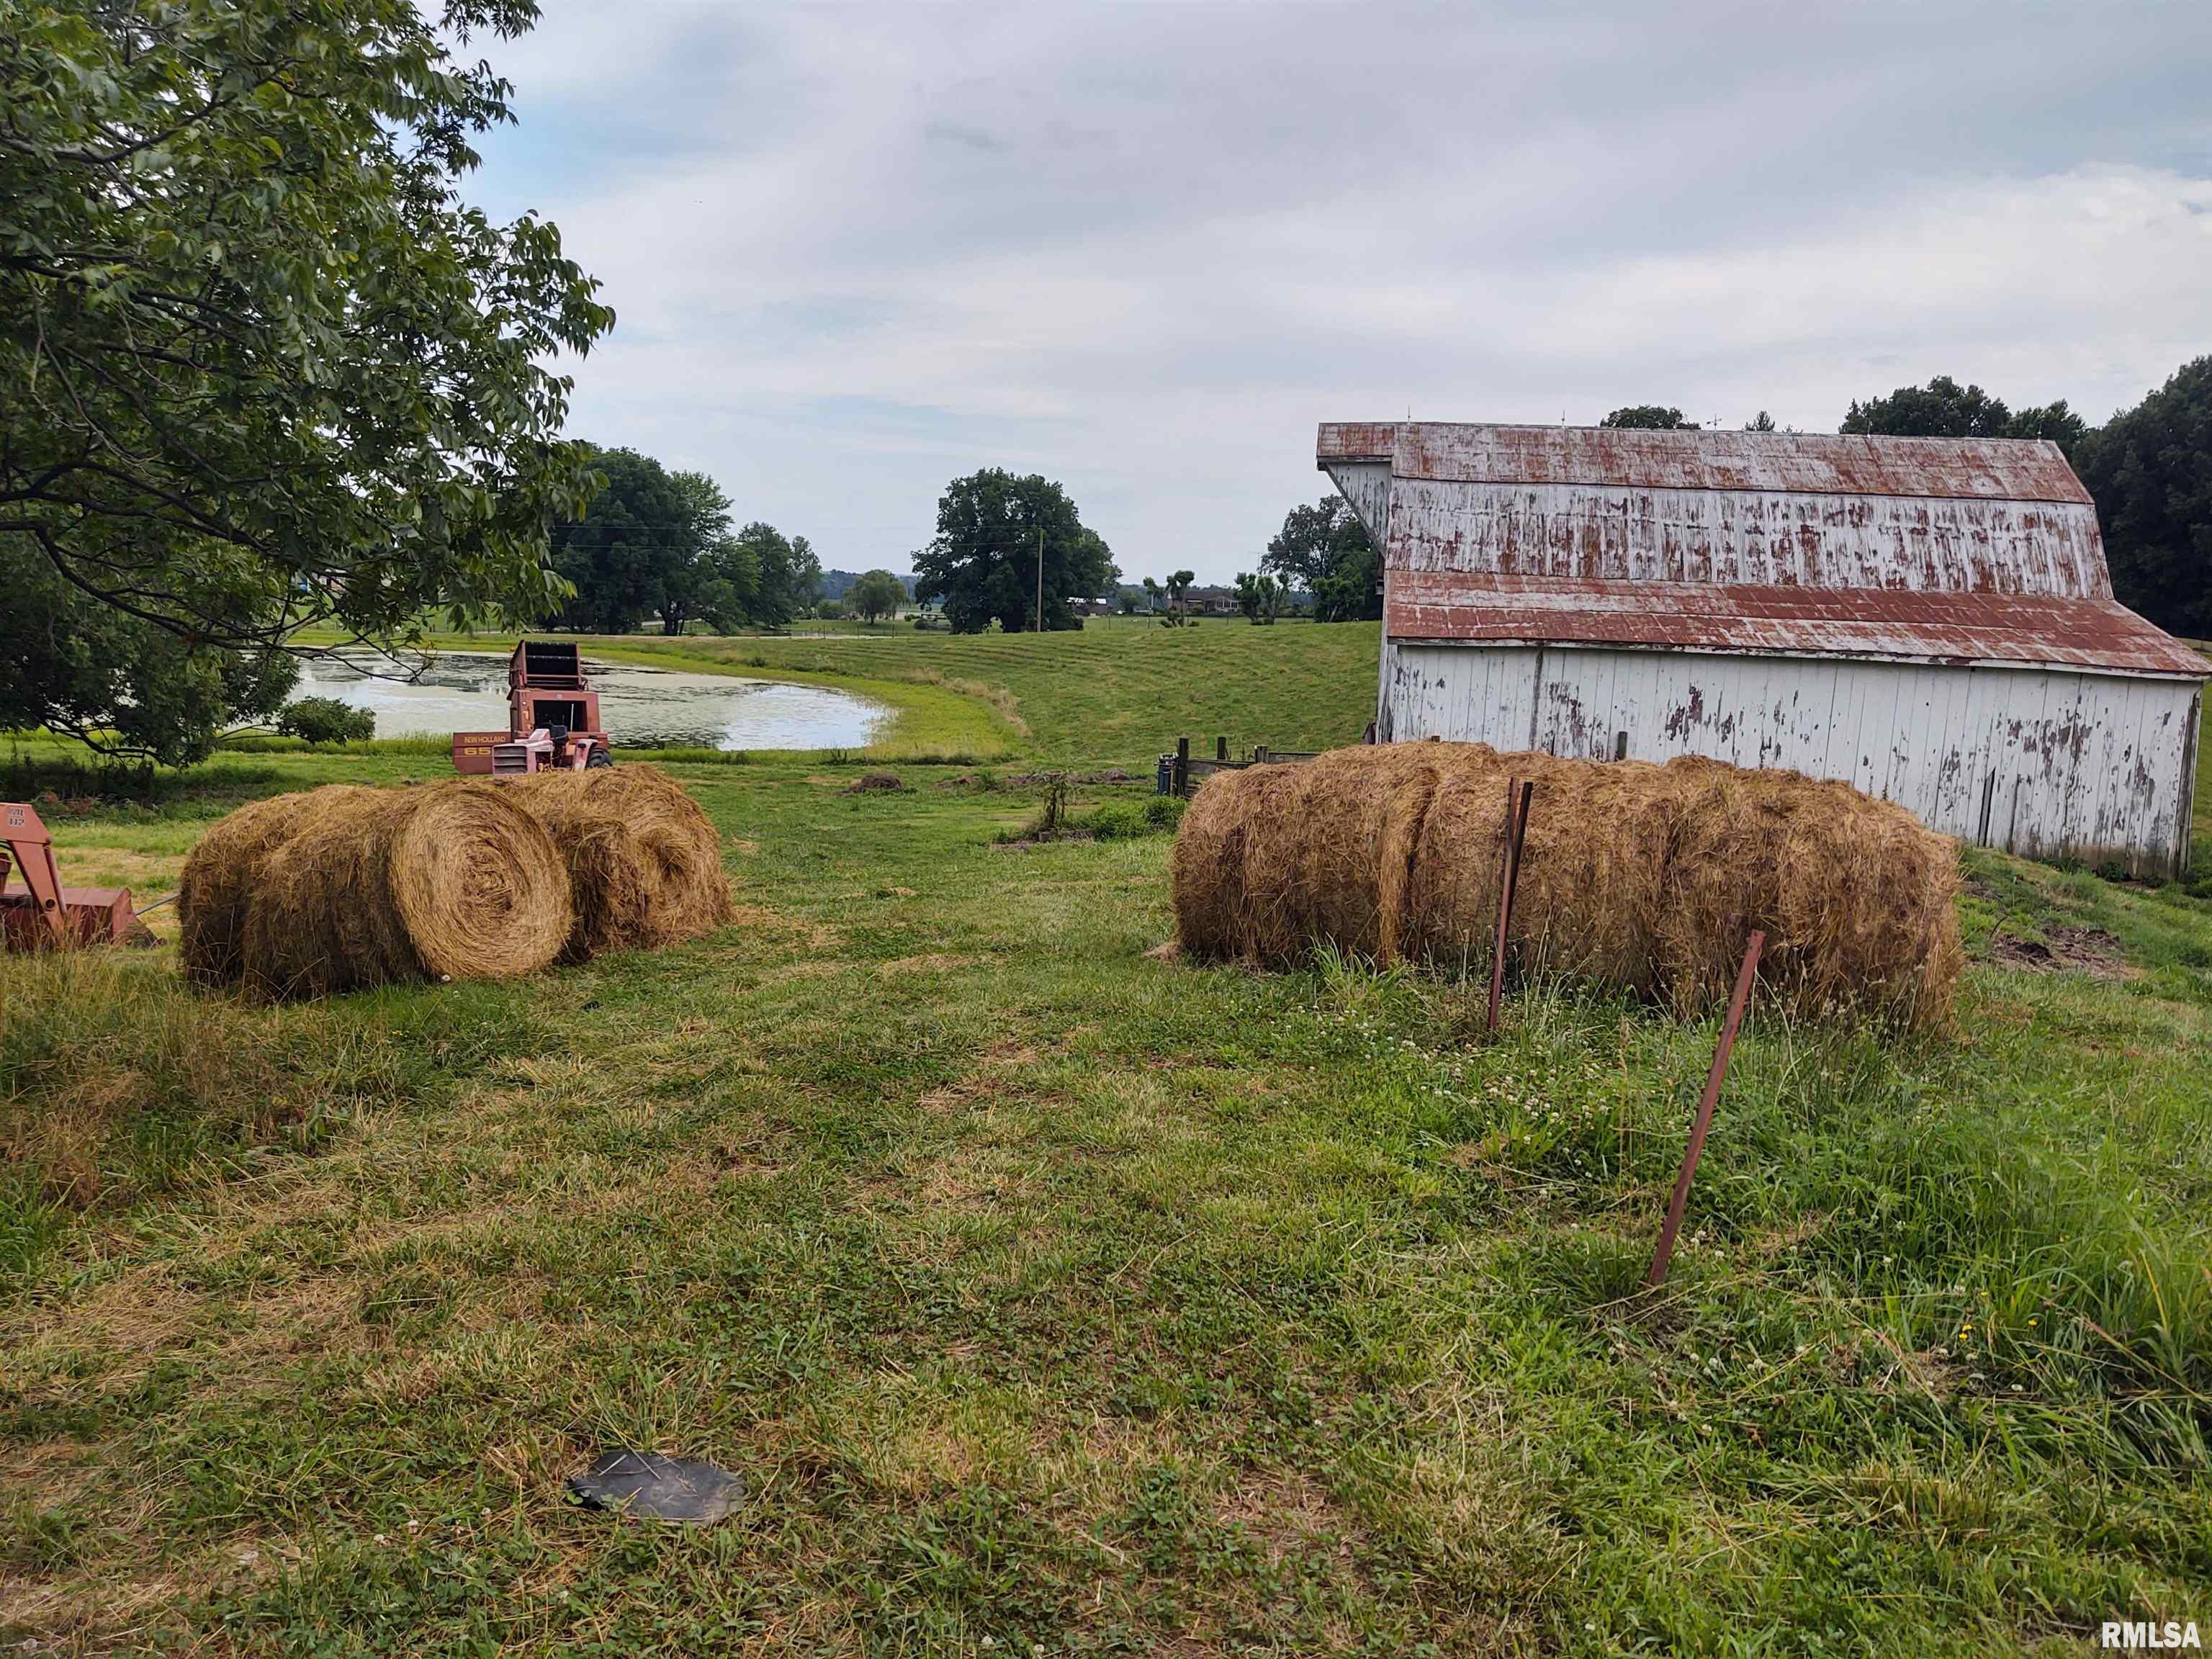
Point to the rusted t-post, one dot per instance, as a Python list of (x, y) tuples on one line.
[(1517, 793), (1704, 1121)]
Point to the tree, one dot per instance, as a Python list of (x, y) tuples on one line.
[(786, 575), (805, 577), (983, 560), (876, 595), (1259, 598), (634, 546), (1650, 417), (1177, 587), (2150, 470), (727, 591), (261, 365), (1944, 409), (1325, 550), (689, 587), (1761, 421)]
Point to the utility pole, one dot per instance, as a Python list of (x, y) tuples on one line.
[(1040, 578)]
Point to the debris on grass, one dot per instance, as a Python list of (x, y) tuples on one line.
[(875, 783), (2062, 949), (642, 1484)]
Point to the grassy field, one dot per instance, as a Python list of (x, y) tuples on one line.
[(1055, 1299)]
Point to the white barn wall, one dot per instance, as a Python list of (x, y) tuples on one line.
[(2043, 763)]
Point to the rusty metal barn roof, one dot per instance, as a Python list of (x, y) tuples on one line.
[(1983, 469), (2045, 630)]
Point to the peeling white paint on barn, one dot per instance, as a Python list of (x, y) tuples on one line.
[(1929, 620)]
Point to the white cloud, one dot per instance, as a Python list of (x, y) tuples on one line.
[(1145, 249)]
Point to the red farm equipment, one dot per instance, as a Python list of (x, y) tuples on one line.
[(42, 913), (552, 719)]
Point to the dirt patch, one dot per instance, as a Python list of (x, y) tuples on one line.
[(2064, 949), (877, 783)]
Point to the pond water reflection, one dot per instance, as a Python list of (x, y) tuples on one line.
[(643, 708)]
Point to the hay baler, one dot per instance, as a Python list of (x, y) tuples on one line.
[(42, 913), (552, 719)]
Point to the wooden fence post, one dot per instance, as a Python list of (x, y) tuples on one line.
[(1182, 767)]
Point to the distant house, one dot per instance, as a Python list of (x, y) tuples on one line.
[(1211, 602), (1929, 619)]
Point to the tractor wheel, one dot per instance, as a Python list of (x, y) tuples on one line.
[(597, 759)]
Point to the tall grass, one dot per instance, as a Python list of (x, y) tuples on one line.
[(117, 1081)]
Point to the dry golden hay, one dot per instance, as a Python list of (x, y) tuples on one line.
[(221, 873), (1858, 900), (1634, 877), (645, 863), (1586, 902), (1272, 857), (454, 881)]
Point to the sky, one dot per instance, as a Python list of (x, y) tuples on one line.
[(858, 250)]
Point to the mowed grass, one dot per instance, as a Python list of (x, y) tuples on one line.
[(1052, 1298)]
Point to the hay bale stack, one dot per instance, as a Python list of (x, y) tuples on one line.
[(1634, 877), (373, 885), (221, 873), (644, 862)]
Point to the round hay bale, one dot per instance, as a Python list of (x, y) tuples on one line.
[(645, 863), (373, 885), (1205, 870), (1271, 861), (1857, 899), (221, 875), (1594, 859)]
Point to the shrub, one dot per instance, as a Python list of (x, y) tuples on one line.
[(1123, 820), (325, 719)]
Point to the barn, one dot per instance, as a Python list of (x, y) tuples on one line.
[(1930, 619)]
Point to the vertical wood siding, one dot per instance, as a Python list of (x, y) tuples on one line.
[(2042, 762)]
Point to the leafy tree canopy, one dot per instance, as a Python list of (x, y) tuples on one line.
[(1259, 598), (633, 548), (789, 579), (1325, 550), (714, 581), (2150, 470), (876, 595), (260, 364), (1650, 416), (1944, 409), (983, 560)]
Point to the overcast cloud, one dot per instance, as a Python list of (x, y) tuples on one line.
[(856, 251)]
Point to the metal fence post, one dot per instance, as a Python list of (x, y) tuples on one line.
[(1509, 876), (1704, 1119)]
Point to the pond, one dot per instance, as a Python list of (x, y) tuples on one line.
[(643, 708)]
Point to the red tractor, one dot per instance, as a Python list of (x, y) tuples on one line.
[(42, 913), (552, 720)]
